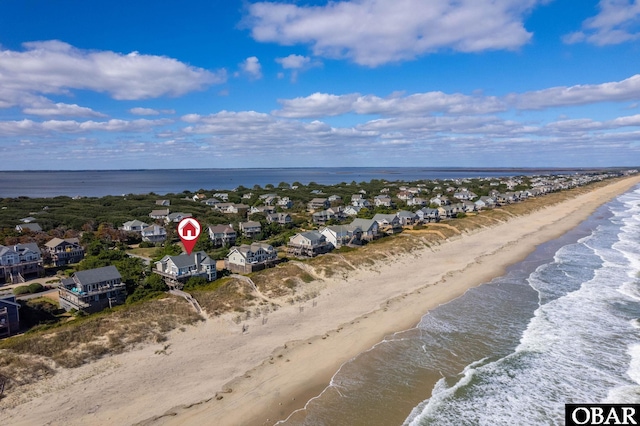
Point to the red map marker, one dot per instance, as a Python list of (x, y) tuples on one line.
[(189, 231)]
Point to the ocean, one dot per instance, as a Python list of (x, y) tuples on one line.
[(99, 183), (562, 326)]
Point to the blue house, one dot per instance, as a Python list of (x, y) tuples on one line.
[(9, 316)]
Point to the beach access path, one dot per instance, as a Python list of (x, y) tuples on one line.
[(225, 373)]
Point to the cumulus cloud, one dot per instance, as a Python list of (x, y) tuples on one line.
[(55, 67), (150, 111), (30, 127), (375, 32), (296, 63), (419, 104), (582, 94), (251, 66), (618, 21), (45, 107)]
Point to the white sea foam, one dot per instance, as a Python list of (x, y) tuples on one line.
[(580, 345)]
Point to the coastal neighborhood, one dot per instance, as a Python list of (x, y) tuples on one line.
[(88, 286), (245, 231)]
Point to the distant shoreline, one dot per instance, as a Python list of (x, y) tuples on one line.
[(100, 183)]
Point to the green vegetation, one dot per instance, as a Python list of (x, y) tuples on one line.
[(28, 289)]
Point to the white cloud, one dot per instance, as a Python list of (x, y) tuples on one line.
[(419, 104), (48, 108), (617, 22), (316, 105), (294, 61), (30, 127), (252, 67), (616, 91), (375, 32), (150, 111), (55, 67)]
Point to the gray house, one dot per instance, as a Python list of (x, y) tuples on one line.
[(92, 290), (176, 270), (9, 316)]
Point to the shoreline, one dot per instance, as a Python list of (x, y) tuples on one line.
[(399, 313), (267, 369)]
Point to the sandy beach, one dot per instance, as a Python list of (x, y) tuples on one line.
[(259, 371)]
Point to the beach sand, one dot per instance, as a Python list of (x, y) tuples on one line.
[(214, 373)]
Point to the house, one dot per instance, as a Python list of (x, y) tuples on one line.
[(310, 244), (352, 210), (159, 214), (199, 197), (322, 217), (19, 261), (389, 223), (250, 258), (164, 203), (370, 228), (428, 215), (211, 201), (221, 195), (407, 218), (318, 203), (340, 235), (417, 201), (134, 226), (285, 203), (63, 252), (382, 201), (28, 227), (335, 199), (28, 219), (232, 208), (176, 217), (154, 234), (222, 235), (280, 218), (92, 290), (251, 229), (360, 202), (262, 209), (9, 316), (176, 270)]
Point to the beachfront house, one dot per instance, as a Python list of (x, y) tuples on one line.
[(340, 235), (62, 252), (176, 270), (9, 316), (20, 261), (370, 228), (92, 290), (308, 244), (389, 223), (250, 258)]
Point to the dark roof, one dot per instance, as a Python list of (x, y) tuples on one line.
[(91, 276)]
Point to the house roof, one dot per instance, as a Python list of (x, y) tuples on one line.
[(57, 241), (135, 222), (184, 260), (97, 275), (31, 226)]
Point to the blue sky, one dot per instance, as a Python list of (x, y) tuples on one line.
[(216, 84)]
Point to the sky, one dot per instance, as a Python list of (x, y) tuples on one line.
[(229, 84)]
